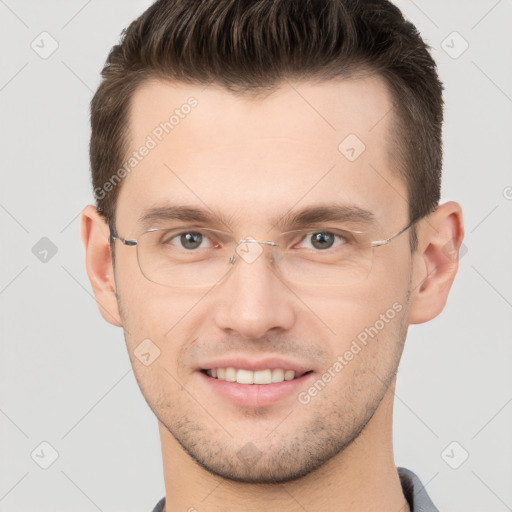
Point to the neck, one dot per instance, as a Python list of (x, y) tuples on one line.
[(361, 478)]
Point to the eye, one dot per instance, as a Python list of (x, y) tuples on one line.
[(323, 240), (189, 240)]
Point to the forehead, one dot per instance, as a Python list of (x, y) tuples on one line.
[(304, 144)]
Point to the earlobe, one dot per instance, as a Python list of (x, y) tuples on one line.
[(436, 261), (98, 261)]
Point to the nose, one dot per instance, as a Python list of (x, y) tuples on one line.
[(252, 298)]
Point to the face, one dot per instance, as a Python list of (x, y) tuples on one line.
[(248, 162)]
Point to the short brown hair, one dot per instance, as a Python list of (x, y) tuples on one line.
[(249, 46)]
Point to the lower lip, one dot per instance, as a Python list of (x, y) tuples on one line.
[(256, 395)]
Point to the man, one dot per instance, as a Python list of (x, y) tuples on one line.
[(267, 176)]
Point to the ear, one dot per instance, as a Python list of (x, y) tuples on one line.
[(98, 261), (436, 261)]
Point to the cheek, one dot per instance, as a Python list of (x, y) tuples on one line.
[(347, 308), (362, 321), (166, 316), (148, 309), (365, 349)]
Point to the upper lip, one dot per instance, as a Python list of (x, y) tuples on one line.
[(253, 364)]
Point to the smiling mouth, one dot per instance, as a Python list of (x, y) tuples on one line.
[(242, 376)]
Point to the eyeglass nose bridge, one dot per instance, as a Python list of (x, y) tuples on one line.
[(249, 255)]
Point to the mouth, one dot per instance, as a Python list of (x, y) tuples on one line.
[(244, 376), (246, 381), (260, 387)]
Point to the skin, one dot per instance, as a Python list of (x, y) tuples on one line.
[(255, 159)]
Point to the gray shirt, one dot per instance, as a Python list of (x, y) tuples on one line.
[(412, 488)]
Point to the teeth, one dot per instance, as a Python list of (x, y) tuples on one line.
[(263, 377), (245, 377), (277, 375), (289, 375), (231, 375), (242, 376)]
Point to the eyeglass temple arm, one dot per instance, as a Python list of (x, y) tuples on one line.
[(378, 243), (114, 236)]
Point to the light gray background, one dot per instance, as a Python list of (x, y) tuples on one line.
[(65, 376)]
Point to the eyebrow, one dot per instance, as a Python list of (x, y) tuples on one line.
[(182, 212), (293, 219), (342, 213)]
